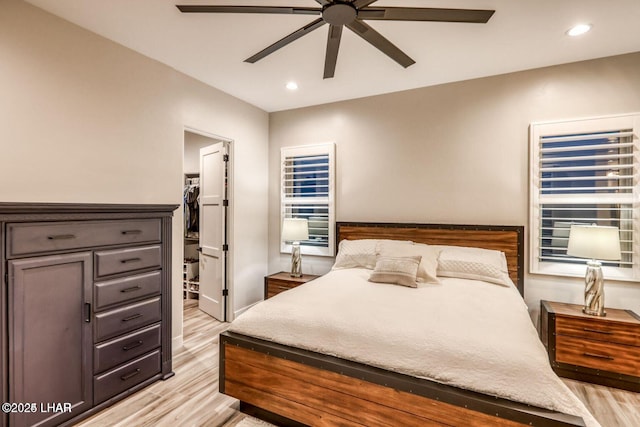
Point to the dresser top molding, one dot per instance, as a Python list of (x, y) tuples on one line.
[(62, 211)]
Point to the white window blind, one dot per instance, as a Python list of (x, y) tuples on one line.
[(307, 191), (584, 172)]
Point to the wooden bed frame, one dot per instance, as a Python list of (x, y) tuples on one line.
[(289, 386)]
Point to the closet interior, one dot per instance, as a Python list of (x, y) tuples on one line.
[(190, 279)]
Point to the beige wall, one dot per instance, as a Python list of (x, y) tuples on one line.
[(192, 145), (86, 120), (454, 153)]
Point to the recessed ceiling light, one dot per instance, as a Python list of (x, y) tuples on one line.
[(292, 86), (579, 29)]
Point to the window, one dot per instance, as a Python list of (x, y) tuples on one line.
[(307, 191), (584, 172)]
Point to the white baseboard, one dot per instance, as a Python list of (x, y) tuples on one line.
[(176, 343), (243, 309)]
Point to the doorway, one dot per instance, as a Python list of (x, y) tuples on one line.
[(206, 195)]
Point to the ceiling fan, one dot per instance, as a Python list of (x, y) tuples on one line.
[(352, 14)]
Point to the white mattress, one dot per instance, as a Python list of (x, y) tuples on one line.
[(466, 333)]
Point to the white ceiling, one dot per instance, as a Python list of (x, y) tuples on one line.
[(522, 34)]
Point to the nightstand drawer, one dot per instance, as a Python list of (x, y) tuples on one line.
[(598, 355), (280, 282), (601, 330), (276, 286)]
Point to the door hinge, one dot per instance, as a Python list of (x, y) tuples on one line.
[(225, 157), (225, 292), (225, 247), (225, 202)]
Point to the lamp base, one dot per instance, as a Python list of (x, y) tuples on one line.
[(594, 313), (594, 290), (296, 260)]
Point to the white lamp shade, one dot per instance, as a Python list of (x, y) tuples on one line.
[(594, 242), (295, 229)]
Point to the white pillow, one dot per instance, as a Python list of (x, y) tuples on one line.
[(427, 271), (360, 253), (356, 253), (473, 263), (396, 270)]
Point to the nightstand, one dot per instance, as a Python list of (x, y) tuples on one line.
[(601, 350), (280, 282)]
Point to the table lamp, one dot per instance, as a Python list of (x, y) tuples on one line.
[(294, 230), (597, 243)]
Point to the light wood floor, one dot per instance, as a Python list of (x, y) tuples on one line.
[(611, 406), (191, 397)]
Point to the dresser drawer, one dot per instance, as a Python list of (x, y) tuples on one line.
[(118, 350), (125, 260), (111, 323), (124, 377), (121, 290), (596, 329), (598, 355), (40, 237)]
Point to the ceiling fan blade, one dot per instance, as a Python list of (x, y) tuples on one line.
[(333, 44), (286, 40), (377, 40), (323, 2), (363, 3), (426, 14), (249, 9)]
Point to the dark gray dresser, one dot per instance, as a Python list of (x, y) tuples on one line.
[(85, 307)]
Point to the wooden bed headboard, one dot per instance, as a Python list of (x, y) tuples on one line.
[(508, 239)]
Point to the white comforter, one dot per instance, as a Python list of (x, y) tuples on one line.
[(466, 333)]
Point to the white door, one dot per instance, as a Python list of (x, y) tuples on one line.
[(212, 229)]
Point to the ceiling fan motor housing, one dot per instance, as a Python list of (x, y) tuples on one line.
[(339, 13)]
